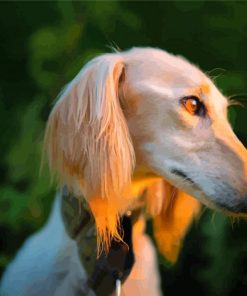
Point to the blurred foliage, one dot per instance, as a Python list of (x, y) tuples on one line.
[(44, 44)]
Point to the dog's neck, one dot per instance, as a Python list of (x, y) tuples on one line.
[(142, 178)]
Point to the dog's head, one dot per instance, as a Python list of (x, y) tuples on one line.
[(178, 122), (145, 114)]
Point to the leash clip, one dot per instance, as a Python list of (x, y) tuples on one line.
[(118, 287)]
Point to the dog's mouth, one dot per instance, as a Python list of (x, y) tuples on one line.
[(187, 179), (183, 175), (233, 209), (194, 186)]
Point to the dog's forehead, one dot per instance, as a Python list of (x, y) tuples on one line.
[(162, 68), (159, 71), (153, 72)]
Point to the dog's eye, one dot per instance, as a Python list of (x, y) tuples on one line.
[(194, 106)]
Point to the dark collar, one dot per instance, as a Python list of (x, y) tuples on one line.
[(102, 271)]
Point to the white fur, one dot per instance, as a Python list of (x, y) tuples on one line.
[(47, 262), (118, 127), (48, 265)]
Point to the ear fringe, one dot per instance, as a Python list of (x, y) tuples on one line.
[(172, 219), (107, 222), (88, 141)]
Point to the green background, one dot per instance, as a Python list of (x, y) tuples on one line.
[(44, 44)]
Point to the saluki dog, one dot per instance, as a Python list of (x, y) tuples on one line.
[(135, 130)]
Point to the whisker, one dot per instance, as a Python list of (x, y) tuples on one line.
[(232, 221), (235, 103), (214, 77), (238, 96), (213, 220), (215, 69), (204, 209), (113, 46), (237, 99)]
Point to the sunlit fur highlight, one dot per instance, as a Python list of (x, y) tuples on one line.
[(170, 225), (88, 141), (90, 148)]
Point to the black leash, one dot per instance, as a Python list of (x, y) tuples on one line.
[(108, 272), (114, 266)]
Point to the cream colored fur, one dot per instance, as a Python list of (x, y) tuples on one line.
[(117, 135)]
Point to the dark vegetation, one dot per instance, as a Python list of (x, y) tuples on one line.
[(44, 44)]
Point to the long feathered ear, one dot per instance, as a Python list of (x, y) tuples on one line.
[(173, 211), (88, 141)]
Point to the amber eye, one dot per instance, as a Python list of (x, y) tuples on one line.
[(194, 106)]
